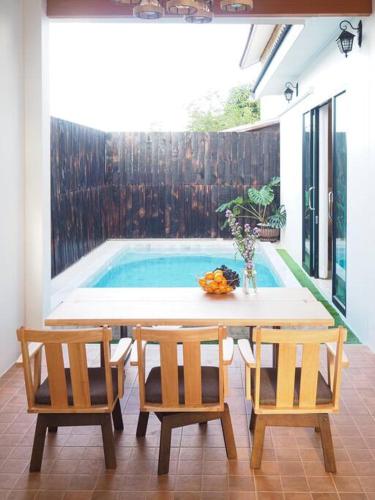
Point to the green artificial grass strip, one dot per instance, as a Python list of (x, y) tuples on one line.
[(305, 281)]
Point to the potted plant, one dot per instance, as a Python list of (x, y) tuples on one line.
[(260, 205)]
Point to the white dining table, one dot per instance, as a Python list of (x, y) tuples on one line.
[(278, 307)]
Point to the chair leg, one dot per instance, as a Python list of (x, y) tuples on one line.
[(327, 444), (256, 456), (142, 423), (252, 420), (118, 424), (165, 446), (108, 441), (226, 425), (38, 446)]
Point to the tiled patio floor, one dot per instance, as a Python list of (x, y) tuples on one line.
[(292, 466)]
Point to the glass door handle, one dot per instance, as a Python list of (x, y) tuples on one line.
[(330, 205), (311, 189)]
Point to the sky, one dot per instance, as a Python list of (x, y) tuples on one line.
[(140, 76)]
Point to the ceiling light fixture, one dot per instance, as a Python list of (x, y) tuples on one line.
[(126, 2), (203, 14), (148, 9), (182, 7), (346, 38), (236, 6)]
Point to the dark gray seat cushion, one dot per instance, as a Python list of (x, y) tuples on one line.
[(98, 390), (268, 384), (210, 385)]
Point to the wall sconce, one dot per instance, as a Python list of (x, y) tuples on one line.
[(346, 38), (288, 92)]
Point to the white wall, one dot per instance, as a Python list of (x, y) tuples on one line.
[(24, 172), (37, 164), (11, 180), (330, 74)]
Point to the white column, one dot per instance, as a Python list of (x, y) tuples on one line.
[(37, 164)]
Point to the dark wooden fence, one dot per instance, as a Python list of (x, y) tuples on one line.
[(145, 185)]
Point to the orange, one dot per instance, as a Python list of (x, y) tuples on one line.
[(209, 276)]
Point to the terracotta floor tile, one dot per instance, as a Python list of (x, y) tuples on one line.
[(50, 495), (353, 496), (87, 495), (294, 483), (209, 467), (188, 483), (100, 495), (215, 495), (239, 468), (159, 496), (214, 483), (73, 466), (290, 468), (297, 496), (268, 495), (325, 496), (162, 483), (242, 495), (321, 484), (186, 495), (191, 467), (347, 484), (191, 453), (268, 483), (241, 483), (367, 483)]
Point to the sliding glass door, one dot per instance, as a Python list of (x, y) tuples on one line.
[(310, 192), (320, 145), (339, 201)]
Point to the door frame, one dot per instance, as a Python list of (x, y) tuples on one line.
[(313, 115), (340, 306)]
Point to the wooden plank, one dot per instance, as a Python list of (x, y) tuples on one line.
[(56, 376), (309, 375), (265, 8), (169, 373), (236, 309), (285, 375), (192, 373), (79, 375)]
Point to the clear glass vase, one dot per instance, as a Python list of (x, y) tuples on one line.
[(249, 282)]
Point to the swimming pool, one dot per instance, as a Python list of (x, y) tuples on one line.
[(165, 268)]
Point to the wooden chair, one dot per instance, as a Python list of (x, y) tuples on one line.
[(287, 395), (74, 395), (186, 394)]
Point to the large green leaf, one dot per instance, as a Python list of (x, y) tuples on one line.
[(278, 219), (230, 204), (263, 196)]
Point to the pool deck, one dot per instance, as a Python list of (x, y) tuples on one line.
[(77, 274)]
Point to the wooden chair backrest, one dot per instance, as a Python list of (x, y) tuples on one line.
[(75, 340), (168, 340), (287, 341)]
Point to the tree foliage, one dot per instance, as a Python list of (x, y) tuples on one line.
[(212, 114)]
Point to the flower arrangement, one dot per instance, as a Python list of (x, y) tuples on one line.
[(245, 240)]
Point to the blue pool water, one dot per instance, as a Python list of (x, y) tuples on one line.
[(151, 269)]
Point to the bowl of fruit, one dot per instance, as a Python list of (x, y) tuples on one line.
[(220, 281)]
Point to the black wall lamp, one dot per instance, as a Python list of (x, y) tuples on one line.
[(289, 92), (346, 38)]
